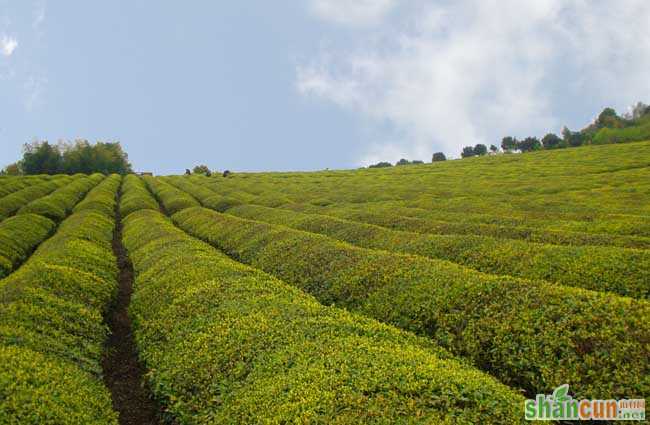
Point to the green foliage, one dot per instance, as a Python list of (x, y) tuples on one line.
[(19, 236), (501, 324), (51, 326), (72, 158), (529, 144), (102, 197), (135, 196), (172, 198), (202, 169), (382, 164), (619, 270), (234, 345), (438, 156), (622, 135), (480, 149), (11, 170), (16, 200), (509, 143), (468, 151), (40, 158), (60, 203), (551, 141)]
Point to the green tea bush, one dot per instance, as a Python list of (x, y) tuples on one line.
[(400, 218), (102, 197), (620, 270), (135, 196), (515, 329), (231, 344), (51, 326), (205, 196), (13, 184), (61, 202), (172, 198), (13, 202), (19, 236)]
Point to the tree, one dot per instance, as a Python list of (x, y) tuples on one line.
[(509, 144), (480, 149), (438, 156), (72, 158), (609, 118), (572, 138), (403, 162), (551, 141), (529, 144), (382, 164), (41, 158), (468, 151), (11, 170), (202, 169), (494, 149), (188, 172)]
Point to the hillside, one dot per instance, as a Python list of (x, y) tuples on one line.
[(443, 292)]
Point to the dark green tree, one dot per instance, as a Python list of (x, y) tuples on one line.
[(438, 156), (201, 169), (468, 151), (41, 158), (551, 141), (529, 144), (509, 144), (494, 149), (382, 164), (480, 149)]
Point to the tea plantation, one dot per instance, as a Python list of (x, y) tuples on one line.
[(435, 293)]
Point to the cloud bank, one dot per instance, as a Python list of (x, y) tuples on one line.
[(452, 73)]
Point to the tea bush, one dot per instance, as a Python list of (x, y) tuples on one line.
[(624, 271), (234, 345), (61, 202), (514, 329), (135, 196), (16, 200), (51, 326)]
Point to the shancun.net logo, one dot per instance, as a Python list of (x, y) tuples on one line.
[(561, 406)]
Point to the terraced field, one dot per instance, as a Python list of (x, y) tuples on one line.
[(438, 293)]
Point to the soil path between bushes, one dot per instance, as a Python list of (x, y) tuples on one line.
[(123, 373)]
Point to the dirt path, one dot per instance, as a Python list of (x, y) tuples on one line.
[(123, 374)]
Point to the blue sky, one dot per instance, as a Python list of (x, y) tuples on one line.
[(312, 84)]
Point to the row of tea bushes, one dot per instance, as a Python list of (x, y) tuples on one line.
[(60, 203), (414, 220), (102, 198), (203, 194), (621, 270), (531, 335), (14, 184), (19, 236), (51, 327), (398, 216), (173, 199), (232, 344), (135, 196), (601, 268), (16, 200)]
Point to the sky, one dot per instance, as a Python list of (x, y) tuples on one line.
[(257, 85)]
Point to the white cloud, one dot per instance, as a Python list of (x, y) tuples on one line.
[(8, 45), (352, 12), (459, 73)]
